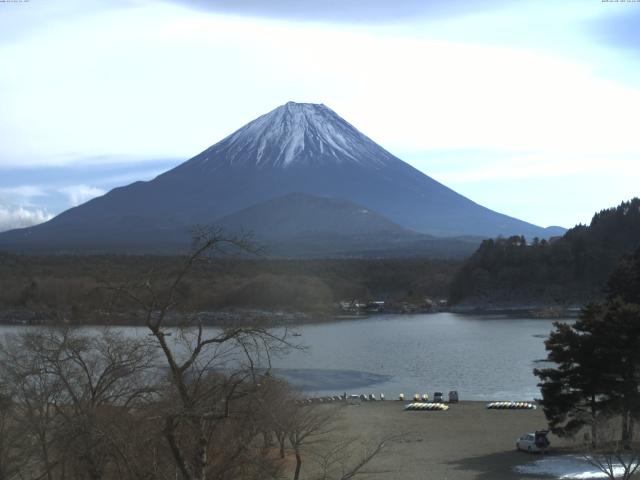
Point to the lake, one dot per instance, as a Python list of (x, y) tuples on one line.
[(484, 357)]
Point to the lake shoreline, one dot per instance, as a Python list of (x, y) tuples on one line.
[(268, 318), (523, 311)]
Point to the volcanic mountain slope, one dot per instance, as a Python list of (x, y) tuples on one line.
[(304, 148), (302, 225), (298, 214)]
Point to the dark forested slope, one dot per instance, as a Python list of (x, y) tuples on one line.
[(510, 272)]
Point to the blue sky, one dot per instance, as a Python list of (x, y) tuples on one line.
[(529, 108)]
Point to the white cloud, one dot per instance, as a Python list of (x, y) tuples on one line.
[(81, 193), (23, 191), (405, 91), (21, 195), (525, 80), (533, 166), (19, 217)]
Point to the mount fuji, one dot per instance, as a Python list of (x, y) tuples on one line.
[(297, 171)]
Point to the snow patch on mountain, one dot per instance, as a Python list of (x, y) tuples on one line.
[(294, 134)]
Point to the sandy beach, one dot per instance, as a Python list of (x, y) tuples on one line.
[(466, 442)]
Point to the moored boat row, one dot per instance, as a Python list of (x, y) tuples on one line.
[(427, 406), (511, 405)]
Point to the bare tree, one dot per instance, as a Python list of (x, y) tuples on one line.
[(11, 455), (213, 378), (275, 401), (35, 393), (308, 423), (347, 458), (181, 402), (616, 456), (307, 430), (71, 391)]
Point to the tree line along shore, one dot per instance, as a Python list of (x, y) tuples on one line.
[(79, 289), (508, 274)]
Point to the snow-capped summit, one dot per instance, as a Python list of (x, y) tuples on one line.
[(247, 180), (295, 134)]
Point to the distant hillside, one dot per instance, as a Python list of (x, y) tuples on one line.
[(509, 272), (300, 214), (307, 226)]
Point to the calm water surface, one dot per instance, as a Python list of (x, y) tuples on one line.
[(483, 357)]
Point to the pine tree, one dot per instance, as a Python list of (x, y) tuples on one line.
[(571, 392), (597, 371)]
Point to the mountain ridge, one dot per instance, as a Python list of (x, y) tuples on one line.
[(305, 148)]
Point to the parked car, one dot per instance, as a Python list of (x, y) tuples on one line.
[(453, 396), (438, 397), (533, 442)]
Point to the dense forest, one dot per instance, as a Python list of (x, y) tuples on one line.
[(77, 288), (512, 272)]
